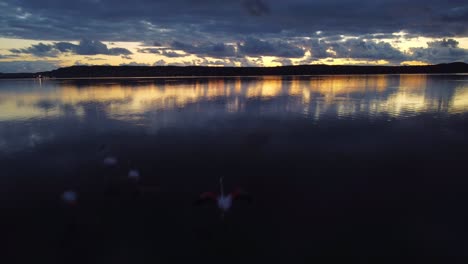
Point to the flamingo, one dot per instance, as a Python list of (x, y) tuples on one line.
[(223, 201)]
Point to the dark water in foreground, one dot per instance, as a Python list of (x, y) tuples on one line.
[(351, 168)]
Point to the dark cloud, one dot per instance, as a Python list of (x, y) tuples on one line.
[(455, 14), (256, 7), (150, 50), (171, 54), (445, 43), (150, 43), (205, 49), (370, 50), (250, 47), (143, 20), (440, 51), (354, 48), (255, 47), (319, 48), (85, 47), (38, 50), (94, 47), (64, 46)]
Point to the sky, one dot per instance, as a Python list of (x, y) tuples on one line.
[(41, 35)]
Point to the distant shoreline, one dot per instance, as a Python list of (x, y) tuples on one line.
[(86, 72), (220, 76)]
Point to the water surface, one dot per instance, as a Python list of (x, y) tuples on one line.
[(349, 167)]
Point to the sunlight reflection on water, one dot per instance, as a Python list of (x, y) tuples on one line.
[(159, 103), (343, 96)]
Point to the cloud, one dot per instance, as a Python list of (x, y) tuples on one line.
[(256, 7), (133, 63), (228, 62), (80, 63), (65, 46), (211, 28), (160, 63), (149, 50), (94, 59), (440, 51), (255, 47), (171, 54), (284, 62), (245, 62), (118, 51), (209, 49), (362, 49), (250, 47), (94, 47), (38, 50), (145, 20), (181, 64), (27, 66), (85, 47), (354, 48), (8, 56), (444, 43), (162, 51), (318, 48)]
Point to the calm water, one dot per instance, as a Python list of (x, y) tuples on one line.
[(349, 167)]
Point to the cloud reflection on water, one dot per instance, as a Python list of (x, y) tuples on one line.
[(352, 96), (43, 110)]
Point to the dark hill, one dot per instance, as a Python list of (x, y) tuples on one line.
[(170, 71)]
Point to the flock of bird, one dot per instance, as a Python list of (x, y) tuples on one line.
[(221, 199)]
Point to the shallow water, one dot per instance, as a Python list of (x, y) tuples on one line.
[(349, 167)]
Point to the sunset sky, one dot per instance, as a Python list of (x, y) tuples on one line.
[(39, 35)]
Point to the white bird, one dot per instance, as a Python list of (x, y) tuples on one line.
[(70, 197), (223, 201)]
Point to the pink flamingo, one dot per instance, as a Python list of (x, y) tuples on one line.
[(223, 201)]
